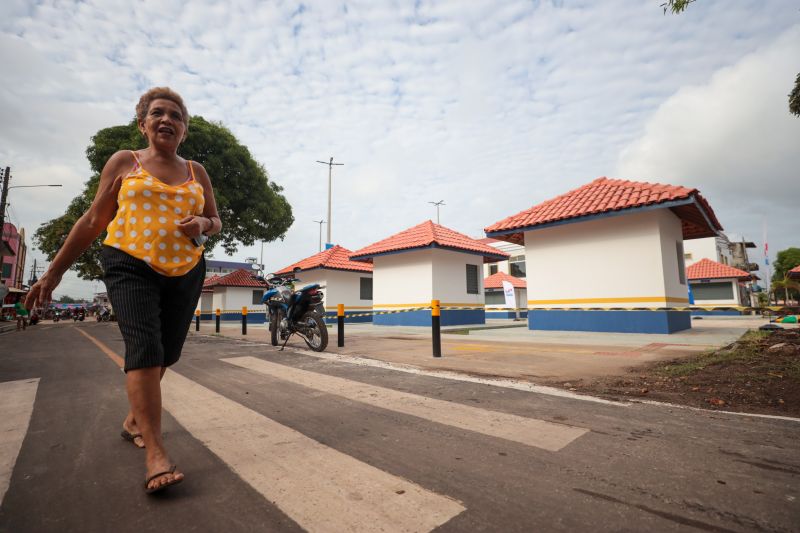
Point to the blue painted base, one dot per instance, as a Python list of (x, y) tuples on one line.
[(252, 318), (330, 318), (610, 321), (717, 313), (456, 317), (505, 314)]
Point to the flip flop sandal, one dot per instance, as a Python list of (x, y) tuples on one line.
[(164, 485), (131, 437)]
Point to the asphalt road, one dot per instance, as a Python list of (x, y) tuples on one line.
[(282, 441)]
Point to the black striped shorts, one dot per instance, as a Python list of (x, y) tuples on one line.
[(153, 311)]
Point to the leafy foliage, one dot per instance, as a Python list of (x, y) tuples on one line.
[(794, 98), (250, 204), (785, 261), (676, 6)]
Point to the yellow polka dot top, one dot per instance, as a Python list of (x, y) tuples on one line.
[(146, 224)]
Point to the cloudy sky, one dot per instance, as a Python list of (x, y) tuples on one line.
[(492, 106)]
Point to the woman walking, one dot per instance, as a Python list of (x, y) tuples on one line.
[(157, 208)]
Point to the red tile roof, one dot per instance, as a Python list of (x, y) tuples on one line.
[(207, 283), (708, 269), (336, 258), (495, 281), (429, 235), (237, 278), (605, 195), (795, 272)]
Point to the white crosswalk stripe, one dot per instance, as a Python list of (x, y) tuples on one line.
[(316, 486), (16, 409), (529, 431)]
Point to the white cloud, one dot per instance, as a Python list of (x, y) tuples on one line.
[(491, 106), (734, 139)]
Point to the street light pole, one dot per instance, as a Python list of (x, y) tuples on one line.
[(330, 164), (320, 222), (437, 204), (3, 198)]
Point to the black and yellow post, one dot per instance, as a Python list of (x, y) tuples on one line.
[(436, 326), (197, 320), (244, 320), (218, 313), (340, 325)]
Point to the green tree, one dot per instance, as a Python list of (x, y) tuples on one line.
[(67, 300), (789, 287), (676, 6), (250, 204), (794, 98), (785, 261)]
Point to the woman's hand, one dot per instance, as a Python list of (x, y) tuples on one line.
[(42, 291), (194, 226)]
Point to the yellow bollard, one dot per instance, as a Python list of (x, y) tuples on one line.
[(340, 325), (436, 331), (244, 320), (218, 312), (197, 320)]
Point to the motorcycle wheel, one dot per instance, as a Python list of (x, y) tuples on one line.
[(317, 338), (274, 321)]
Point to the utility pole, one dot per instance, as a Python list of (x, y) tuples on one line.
[(3, 197), (330, 164), (320, 222), (437, 204)]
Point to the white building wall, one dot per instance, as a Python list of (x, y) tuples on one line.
[(345, 288), (503, 266), (714, 248), (450, 278), (614, 261), (403, 279), (205, 304), (672, 262), (218, 301)]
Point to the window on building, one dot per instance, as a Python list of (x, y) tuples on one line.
[(472, 279), (720, 290), (6, 270), (687, 255), (495, 298), (366, 288), (516, 266), (257, 295), (493, 269), (681, 263)]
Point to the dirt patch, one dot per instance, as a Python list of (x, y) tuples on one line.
[(759, 373)]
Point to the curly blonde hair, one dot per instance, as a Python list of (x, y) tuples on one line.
[(160, 93)]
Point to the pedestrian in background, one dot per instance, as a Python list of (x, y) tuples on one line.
[(157, 209), (22, 314)]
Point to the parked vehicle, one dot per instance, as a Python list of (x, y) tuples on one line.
[(295, 312)]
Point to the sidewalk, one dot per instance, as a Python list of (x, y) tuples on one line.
[(516, 352)]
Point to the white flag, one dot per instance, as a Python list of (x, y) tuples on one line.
[(508, 292)]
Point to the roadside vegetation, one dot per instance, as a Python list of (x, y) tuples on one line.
[(759, 373)]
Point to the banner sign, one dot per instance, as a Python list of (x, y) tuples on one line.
[(508, 292)]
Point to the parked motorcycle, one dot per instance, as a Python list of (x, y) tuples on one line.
[(295, 312)]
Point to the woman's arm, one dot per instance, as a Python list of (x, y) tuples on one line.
[(85, 231), (209, 223)]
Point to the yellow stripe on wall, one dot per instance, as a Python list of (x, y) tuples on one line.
[(427, 304), (620, 299)]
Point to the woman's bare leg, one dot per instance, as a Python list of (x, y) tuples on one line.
[(129, 424), (144, 395)]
